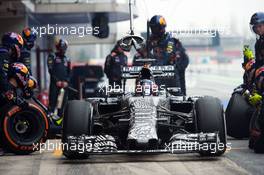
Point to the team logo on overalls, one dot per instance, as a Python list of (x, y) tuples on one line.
[(169, 47), (117, 59)]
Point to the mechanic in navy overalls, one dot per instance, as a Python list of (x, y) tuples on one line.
[(59, 67), (29, 36), (113, 66), (257, 132), (167, 50), (9, 52)]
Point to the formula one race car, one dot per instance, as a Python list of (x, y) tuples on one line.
[(145, 121)]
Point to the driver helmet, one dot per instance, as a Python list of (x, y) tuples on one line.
[(146, 87), (145, 84), (145, 72)]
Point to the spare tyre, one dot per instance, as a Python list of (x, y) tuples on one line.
[(23, 130), (238, 115)]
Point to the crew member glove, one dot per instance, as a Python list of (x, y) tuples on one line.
[(255, 99), (9, 95), (248, 53)]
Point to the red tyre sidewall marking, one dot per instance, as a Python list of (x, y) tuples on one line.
[(11, 113)]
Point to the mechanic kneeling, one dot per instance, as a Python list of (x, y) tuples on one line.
[(9, 52), (257, 132), (59, 67)]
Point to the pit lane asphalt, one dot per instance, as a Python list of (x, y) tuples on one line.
[(50, 163), (238, 160)]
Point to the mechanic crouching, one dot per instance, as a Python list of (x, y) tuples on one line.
[(59, 67), (256, 99), (113, 66), (9, 52), (168, 50)]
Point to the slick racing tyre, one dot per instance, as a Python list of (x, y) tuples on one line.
[(210, 118), (238, 114), (77, 121), (22, 131)]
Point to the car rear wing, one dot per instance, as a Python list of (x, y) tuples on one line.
[(130, 72)]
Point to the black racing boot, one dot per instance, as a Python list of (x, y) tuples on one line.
[(254, 136), (259, 145), (251, 143)]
